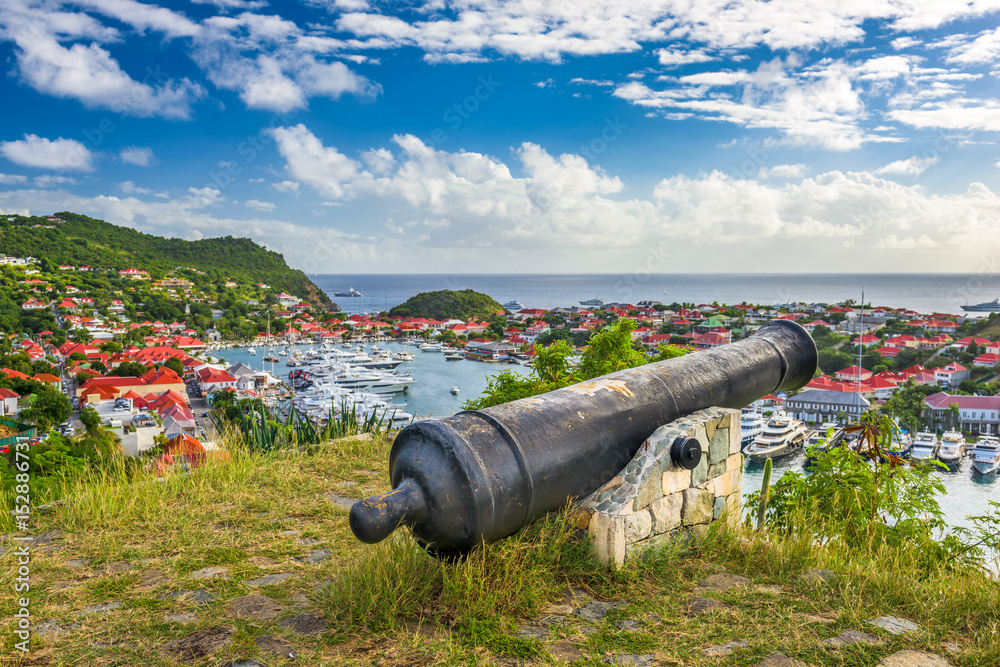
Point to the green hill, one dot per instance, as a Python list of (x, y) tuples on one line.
[(445, 304), (81, 240)]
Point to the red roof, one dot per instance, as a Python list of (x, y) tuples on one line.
[(943, 400), (7, 393)]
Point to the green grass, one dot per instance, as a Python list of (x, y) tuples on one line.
[(374, 597)]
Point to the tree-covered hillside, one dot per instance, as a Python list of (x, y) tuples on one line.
[(81, 240), (445, 304)]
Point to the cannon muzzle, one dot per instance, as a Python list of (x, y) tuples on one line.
[(481, 475)]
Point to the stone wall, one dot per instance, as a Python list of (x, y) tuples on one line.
[(653, 500)]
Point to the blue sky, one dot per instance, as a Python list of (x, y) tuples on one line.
[(481, 136)]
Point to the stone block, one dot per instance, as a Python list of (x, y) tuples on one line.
[(728, 483), (716, 469), (718, 448), (726, 421), (607, 534), (720, 505), (638, 526), (676, 480), (702, 437), (698, 506), (700, 474), (734, 462), (710, 427), (650, 488), (666, 513)]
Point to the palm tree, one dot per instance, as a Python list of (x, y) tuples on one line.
[(955, 415)]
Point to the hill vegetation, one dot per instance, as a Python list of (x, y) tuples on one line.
[(81, 240), (445, 304)]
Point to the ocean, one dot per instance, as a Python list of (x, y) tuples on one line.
[(926, 293)]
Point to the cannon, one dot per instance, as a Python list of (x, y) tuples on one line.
[(482, 475)]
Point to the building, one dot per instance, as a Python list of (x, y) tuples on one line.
[(977, 414), (951, 375), (821, 405)]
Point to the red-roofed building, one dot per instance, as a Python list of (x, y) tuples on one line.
[(867, 340), (46, 378), (888, 351), (951, 375), (117, 385), (212, 380), (989, 360), (853, 374), (8, 402), (12, 374), (977, 414)]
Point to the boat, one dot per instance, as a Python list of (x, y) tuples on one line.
[(403, 356), (513, 306), (596, 301), (901, 444), (431, 347), (454, 390), (253, 352), (986, 455), (925, 447), (782, 436), (952, 449), (752, 424), (984, 307), (270, 357), (349, 292), (453, 356)]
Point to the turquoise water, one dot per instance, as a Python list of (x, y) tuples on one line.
[(429, 396)]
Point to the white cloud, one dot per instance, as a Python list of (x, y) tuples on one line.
[(893, 242), (272, 63), (784, 171), (259, 205), (547, 83), (288, 187), (41, 153), (958, 114), (232, 4), (604, 83), (49, 181), (308, 161), (984, 49), (13, 179), (675, 57), (130, 188), (145, 17), (141, 156), (901, 43), (913, 166)]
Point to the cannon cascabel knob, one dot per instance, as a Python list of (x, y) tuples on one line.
[(685, 452), (373, 519)]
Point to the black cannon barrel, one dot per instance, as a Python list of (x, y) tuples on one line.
[(481, 475)]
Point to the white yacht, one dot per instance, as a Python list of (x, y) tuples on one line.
[(925, 447), (431, 347), (782, 436), (455, 390), (986, 455), (403, 356), (376, 383), (952, 449), (596, 301), (252, 351), (752, 424), (513, 306)]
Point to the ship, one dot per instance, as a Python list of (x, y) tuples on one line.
[(596, 301), (349, 292), (513, 306), (984, 307)]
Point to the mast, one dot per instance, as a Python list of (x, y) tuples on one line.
[(861, 348)]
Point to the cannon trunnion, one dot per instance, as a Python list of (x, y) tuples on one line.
[(481, 475)]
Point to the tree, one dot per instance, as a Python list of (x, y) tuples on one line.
[(98, 366), (129, 369), (91, 420), (955, 415), (175, 364)]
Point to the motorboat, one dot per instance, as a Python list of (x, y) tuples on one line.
[(925, 447), (349, 292), (454, 390), (752, 424), (453, 356), (986, 455), (431, 347), (901, 444), (403, 356), (782, 436), (952, 449), (984, 307), (513, 306), (252, 352), (596, 301)]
